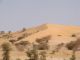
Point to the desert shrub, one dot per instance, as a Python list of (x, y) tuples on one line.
[(70, 45), (9, 32), (22, 45), (12, 41), (2, 32), (24, 29), (6, 48), (19, 47), (59, 46), (44, 39), (43, 43), (19, 38), (73, 35), (43, 46), (25, 35), (6, 36), (53, 52), (59, 35), (32, 54), (74, 45)]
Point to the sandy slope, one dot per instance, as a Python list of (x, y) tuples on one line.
[(59, 34)]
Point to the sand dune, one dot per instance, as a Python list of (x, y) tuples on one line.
[(59, 34)]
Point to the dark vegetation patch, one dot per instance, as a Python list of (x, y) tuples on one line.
[(43, 43), (73, 35), (59, 35), (74, 45)]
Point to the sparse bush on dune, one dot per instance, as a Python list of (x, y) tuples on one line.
[(25, 35), (32, 54), (24, 29), (6, 50), (43, 43), (38, 51), (22, 45), (74, 46), (59, 35), (73, 35), (12, 41), (36, 54), (7, 36), (19, 47), (19, 38), (57, 48), (9, 32), (43, 39), (70, 45), (2, 32)]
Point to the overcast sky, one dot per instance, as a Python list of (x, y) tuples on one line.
[(16, 14)]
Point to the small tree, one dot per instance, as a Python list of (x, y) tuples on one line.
[(2, 32), (24, 29), (6, 48), (43, 43), (70, 45), (32, 54), (74, 47)]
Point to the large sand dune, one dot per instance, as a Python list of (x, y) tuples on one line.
[(59, 34)]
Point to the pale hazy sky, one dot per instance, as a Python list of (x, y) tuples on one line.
[(16, 14)]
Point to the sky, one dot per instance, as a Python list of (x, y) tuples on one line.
[(17, 14)]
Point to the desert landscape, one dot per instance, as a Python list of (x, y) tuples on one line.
[(43, 42)]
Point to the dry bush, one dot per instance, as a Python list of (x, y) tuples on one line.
[(70, 45), (6, 48), (22, 45), (32, 54), (2, 32), (12, 41), (19, 38), (74, 45), (43, 43), (6, 36), (24, 29), (73, 35)]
